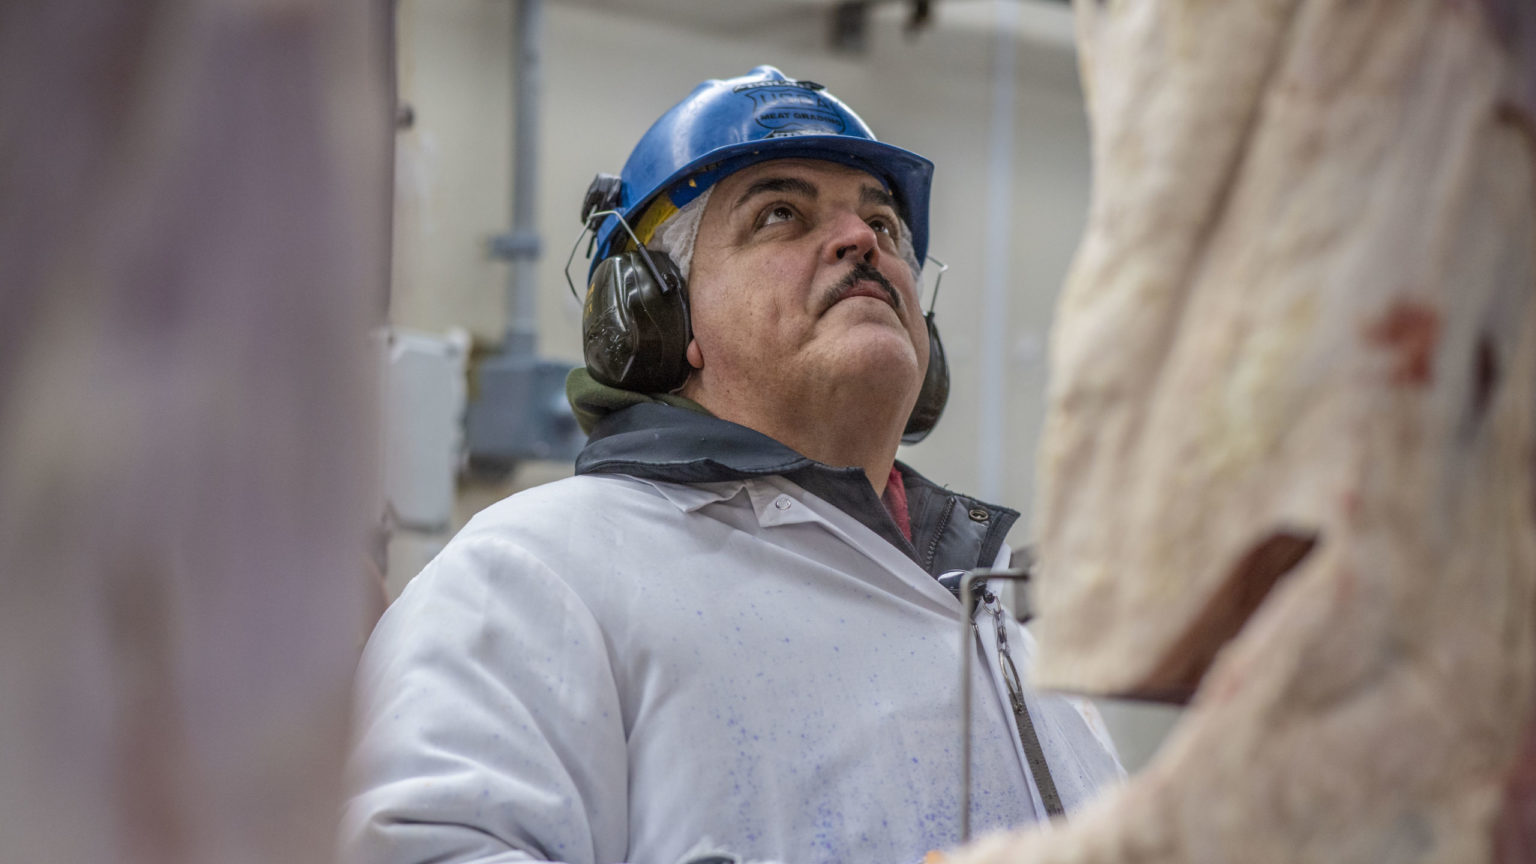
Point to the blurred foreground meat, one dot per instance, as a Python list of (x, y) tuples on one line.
[(1288, 463), (192, 226)]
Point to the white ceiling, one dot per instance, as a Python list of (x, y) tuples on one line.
[(1046, 23)]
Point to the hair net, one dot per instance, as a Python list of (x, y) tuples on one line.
[(677, 235)]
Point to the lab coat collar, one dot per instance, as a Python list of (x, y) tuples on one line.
[(774, 500), (654, 441)]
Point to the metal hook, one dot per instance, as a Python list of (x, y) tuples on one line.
[(967, 649)]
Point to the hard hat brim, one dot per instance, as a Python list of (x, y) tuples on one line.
[(907, 175)]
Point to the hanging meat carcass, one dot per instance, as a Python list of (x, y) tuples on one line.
[(1287, 471)]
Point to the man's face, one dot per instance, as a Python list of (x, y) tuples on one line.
[(798, 291)]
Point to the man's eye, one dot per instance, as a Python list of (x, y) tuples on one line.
[(777, 213), (883, 225)]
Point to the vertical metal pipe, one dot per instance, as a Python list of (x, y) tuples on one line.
[(391, 34), (991, 415), (523, 242), (967, 651)]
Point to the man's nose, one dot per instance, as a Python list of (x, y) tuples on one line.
[(852, 236)]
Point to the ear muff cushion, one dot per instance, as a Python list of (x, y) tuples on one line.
[(935, 392), (635, 331)]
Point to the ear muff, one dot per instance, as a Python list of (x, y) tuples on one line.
[(935, 392), (634, 328)]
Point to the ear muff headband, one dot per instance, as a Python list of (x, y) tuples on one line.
[(935, 390)]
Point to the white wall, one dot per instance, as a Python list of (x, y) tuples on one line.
[(453, 173), (608, 76)]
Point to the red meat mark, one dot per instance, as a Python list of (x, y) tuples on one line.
[(1514, 832), (1485, 376), (1353, 506), (1411, 331)]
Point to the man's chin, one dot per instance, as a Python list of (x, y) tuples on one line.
[(877, 350)]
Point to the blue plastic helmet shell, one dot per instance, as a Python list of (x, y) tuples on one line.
[(726, 125)]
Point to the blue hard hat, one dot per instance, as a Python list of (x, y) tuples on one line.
[(726, 125)]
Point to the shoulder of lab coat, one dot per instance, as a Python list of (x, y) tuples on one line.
[(454, 758)]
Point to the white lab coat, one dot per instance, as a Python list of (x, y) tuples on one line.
[(610, 669)]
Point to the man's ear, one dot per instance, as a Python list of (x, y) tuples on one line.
[(695, 355)]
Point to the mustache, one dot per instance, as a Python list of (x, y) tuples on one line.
[(862, 272)]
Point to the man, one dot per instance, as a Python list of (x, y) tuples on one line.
[(726, 633)]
